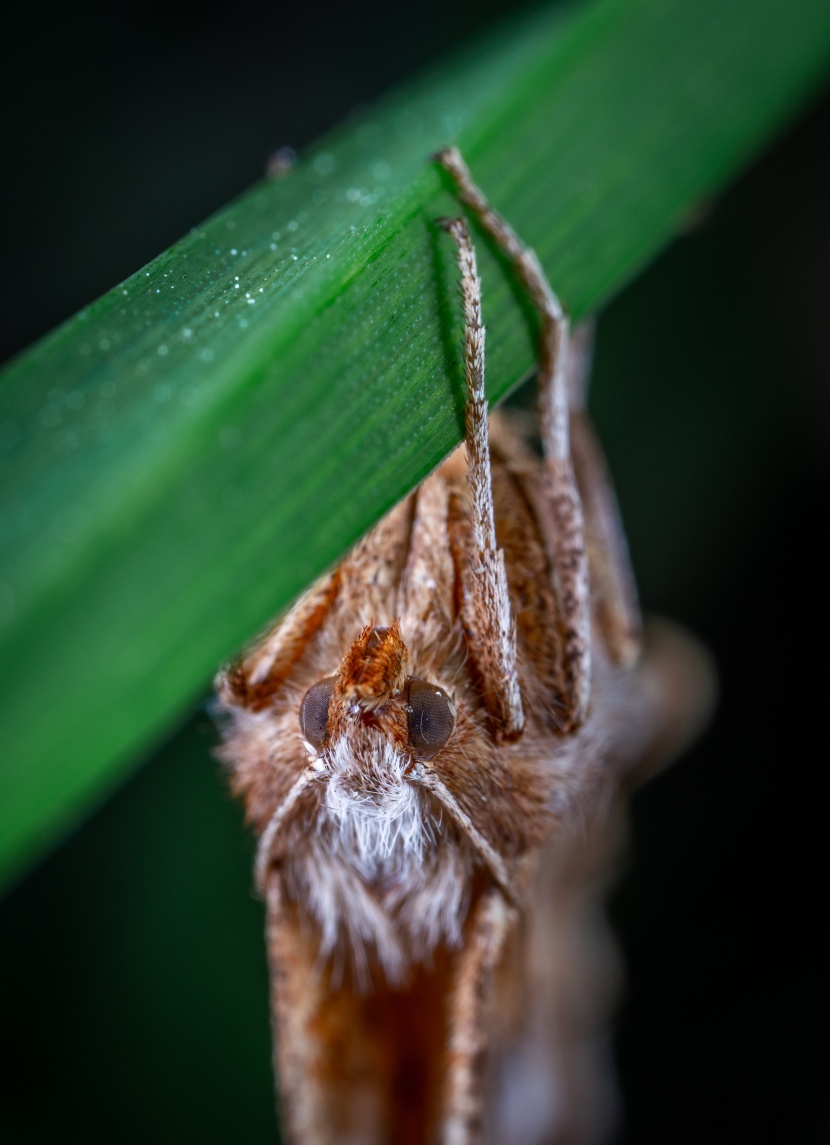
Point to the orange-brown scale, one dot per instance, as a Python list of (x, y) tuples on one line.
[(374, 668)]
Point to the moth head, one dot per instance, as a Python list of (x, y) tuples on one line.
[(373, 690)]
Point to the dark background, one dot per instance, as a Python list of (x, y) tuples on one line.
[(132, 978)]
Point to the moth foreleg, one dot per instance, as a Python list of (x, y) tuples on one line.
[(614, 603), (471, 1018), (564, 528), (488, 614)]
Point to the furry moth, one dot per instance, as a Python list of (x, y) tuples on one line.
[(431, 746)]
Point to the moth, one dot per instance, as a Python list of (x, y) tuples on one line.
[(432, 747)]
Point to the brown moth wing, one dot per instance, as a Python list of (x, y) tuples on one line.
[(353, 1066)]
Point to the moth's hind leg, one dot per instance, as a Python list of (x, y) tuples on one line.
[(564, 528), (485, 600), (614, 604)]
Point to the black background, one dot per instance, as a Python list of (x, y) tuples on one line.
[(132, 978)]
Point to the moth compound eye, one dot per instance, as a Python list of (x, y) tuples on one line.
[(314, 712), (430, 716)]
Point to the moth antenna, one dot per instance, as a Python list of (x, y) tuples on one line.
[(266, 840), (491, 857)]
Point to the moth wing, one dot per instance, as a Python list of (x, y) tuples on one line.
[(551, 1075), (354, 1066), (327, 1068)]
